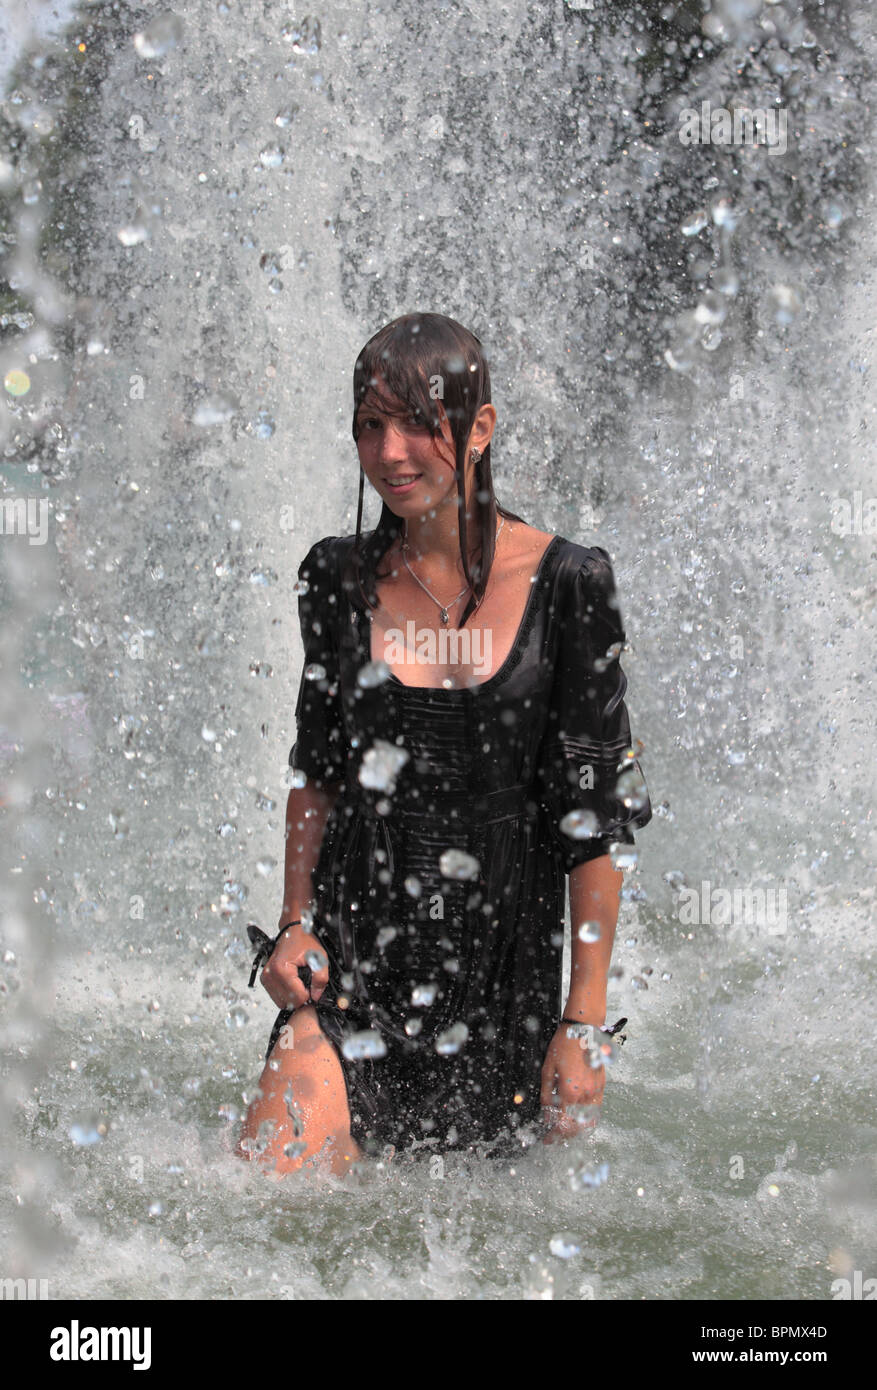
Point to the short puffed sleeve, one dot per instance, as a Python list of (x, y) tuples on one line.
[(320, 750), (587, 728)]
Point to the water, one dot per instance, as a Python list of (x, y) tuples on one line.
[(210, 221)]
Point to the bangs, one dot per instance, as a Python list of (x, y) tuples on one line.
[(404, 388), (422, 359)]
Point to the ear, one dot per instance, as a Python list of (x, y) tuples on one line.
[(483, 427)]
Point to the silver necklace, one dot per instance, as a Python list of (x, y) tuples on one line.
[(443, 610)]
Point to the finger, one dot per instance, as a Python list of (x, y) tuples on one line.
[(319, 981), (546, 1090), (579, 1093), (287, 991)]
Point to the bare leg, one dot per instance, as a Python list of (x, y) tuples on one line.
[(309, 1080)]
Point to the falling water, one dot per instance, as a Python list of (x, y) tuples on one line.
[(203, 221)]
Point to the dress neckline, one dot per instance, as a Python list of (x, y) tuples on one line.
[(520, 635)]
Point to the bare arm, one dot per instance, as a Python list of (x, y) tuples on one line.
[(593, 897), (307, 810)]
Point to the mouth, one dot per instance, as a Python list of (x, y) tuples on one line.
[(403, 482)]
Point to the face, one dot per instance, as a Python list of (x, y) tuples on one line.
[(396, 448)]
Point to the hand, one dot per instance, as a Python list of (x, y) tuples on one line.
[(568, 1079), (280, 973)]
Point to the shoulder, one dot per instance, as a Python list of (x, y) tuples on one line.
[(324, 560), (583, 567)]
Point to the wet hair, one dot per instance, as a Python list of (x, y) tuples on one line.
[(414, 355)]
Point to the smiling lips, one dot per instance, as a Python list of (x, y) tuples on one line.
[(400, 484)]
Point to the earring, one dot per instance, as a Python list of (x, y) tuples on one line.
[(475, 455)]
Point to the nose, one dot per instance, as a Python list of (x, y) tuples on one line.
[(393, 447)]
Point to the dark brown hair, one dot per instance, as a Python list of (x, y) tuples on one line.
[(410, 354)]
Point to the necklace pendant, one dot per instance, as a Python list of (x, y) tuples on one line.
[(444, 616)]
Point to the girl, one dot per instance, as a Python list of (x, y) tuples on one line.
[(462, 746)]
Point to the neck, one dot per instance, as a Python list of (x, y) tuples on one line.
[(437, 538)]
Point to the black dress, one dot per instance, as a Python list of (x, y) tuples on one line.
[(454, 980)]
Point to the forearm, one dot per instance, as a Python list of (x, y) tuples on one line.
[(594, 889), (307, 811)]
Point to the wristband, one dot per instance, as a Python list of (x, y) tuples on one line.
[(601, 1027)]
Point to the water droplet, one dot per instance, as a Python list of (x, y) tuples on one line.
[(381, 765), (214, 410), (237, 1017), (159, 37), (638, 982), (451, 1040), (711, 308), (374, 673), (726, 280), (423, 995), (564, 1246), (315, 672), (261, 578), (264, 866), (592, 1175), (305, 37), (300, 587), (631, 789), (695, 223), (133, 233), (386, 935), (679, 358), (272, 157), (623, 856), (87, 1130), (413, 1026), (589, 931), (724, 214), (413, 886), (784, 303), (317, 960), (580, 825), (457, 864), (263, 426), (364, 1044)]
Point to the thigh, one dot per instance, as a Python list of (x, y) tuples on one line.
[(304, 1096)]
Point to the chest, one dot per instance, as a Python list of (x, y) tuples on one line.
[(407, 633)]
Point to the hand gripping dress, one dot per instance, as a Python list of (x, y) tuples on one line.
[(455, 981)]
